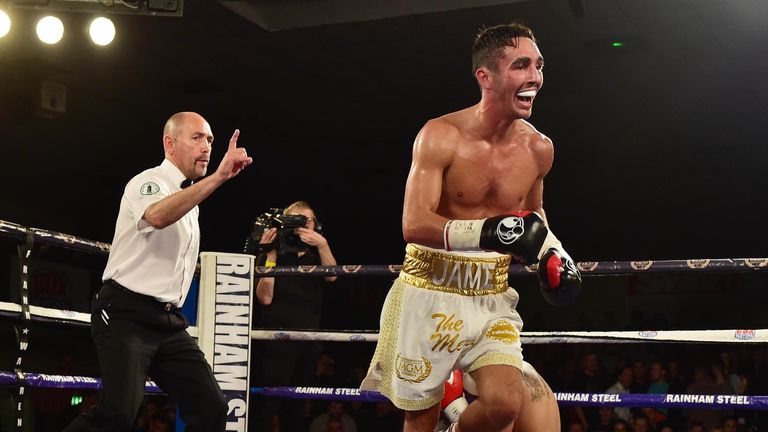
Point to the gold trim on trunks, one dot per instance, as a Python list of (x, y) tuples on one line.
[(458, 274), (496, 358)]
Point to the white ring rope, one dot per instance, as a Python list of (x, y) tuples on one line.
[(695, 336), (44, 312), (564, 337)]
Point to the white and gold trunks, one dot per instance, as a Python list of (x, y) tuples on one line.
[(446, 311)]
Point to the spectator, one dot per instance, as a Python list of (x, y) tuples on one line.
[(674, 377), (658, 385), (703, 384), (589, 379), (677, 385), (334, 425), (696, 426), (666, 427), (621, 426), (607, 419), (622, 386), (651, 414), (383, 418), (756, 377), (641, 423), (640, 384), (729, 371), (730, 424), (159, 423), (721, 380), (335, 412)]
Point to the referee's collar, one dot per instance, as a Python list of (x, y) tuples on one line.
[(175, 174)]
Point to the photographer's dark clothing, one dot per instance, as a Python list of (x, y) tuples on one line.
[(297, 301), (296, 304)]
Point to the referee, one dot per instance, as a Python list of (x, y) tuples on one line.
[(136, 323)]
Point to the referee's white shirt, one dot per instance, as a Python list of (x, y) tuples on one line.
[(154, 262)]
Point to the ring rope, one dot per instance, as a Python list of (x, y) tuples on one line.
[(67, 241), (62, 381), (738, 265), (564, 337), (39, 312), (563, 398), (342, 393), (560, 337), (587, 268)]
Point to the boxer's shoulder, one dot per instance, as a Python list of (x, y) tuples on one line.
[(437, 141)]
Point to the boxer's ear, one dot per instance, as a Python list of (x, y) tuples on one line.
[(484, 78)]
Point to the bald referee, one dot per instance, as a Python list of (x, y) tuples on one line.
[(136, 323)]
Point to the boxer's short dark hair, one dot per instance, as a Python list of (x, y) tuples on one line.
[(490, 42)]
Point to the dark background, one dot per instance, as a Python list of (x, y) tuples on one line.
[(660, 148)]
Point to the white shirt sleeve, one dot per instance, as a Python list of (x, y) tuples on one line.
[(141, 192)]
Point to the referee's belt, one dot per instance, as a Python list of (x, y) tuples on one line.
[(455, 273), (121, 302)]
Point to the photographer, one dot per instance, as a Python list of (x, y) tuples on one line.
[(291, 302), (318, 253)]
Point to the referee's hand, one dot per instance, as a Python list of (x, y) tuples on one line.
[(235, 159)]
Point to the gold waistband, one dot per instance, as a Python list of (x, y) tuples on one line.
[(459, 274)]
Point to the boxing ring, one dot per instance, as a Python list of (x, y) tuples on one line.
[(222, 323)]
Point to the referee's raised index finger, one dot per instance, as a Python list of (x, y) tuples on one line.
[(233, 140)]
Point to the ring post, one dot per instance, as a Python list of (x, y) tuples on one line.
[(224, 327)]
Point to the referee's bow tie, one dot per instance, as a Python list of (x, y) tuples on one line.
[(186, 183)]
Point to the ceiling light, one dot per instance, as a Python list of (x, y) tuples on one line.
[(5, 23), (102, 31), (50, 30)]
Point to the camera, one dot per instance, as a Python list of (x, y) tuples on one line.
[(286, 240)]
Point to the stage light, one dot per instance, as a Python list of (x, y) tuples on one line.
[(102, 31), (50, 30), (5, 23)]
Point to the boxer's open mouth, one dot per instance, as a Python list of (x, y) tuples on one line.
[(526, 96)]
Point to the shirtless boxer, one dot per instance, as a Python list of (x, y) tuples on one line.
[(473, 200)]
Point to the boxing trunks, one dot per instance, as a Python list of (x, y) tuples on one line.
[(445, 311)]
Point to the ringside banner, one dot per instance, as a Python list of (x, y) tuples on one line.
[(224, 325)]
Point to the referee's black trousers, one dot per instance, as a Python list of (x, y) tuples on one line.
[(136, 336)]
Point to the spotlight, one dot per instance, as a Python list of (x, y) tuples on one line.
[(5, 23), (50, 30), (102, 31)]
